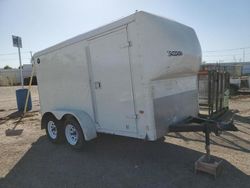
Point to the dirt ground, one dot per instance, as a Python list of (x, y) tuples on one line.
[(28, 159)]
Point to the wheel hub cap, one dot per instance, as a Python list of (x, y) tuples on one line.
[(71, 134), (52, 130)]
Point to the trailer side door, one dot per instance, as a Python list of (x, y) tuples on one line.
[(112, 83)]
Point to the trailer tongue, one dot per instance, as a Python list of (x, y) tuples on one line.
[(195, 124)]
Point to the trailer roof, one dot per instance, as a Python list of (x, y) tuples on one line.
[(95, 32)]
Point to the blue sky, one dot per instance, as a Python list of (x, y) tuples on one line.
[(219, 24)]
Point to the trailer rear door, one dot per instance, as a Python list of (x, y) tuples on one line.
[(112, 82)]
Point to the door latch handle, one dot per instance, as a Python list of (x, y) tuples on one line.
[(98, 85)]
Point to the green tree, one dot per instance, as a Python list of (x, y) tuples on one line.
[(7, 67)]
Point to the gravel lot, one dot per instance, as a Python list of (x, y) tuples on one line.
[(30, 160)]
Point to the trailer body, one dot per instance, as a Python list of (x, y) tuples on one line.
[(133, 77)]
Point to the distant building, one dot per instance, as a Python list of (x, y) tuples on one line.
[(9, 77)]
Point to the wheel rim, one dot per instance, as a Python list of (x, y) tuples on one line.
[(52, 130), (71, 134)]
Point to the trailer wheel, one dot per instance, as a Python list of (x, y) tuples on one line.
[(73, 134), (54, 129)]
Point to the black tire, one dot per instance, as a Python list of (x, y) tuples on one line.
[(46, 123), (80, 141)]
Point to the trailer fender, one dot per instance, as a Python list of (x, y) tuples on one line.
[(85, 121)]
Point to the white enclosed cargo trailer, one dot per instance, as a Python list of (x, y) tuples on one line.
[(133, 77)]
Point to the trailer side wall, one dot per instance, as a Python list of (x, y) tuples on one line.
[(63, 80)]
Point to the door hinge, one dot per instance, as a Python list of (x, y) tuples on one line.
[(127, 44), (98, 85)]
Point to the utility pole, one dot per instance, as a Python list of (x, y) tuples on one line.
[(17, 42), (243, 55), (21, 67), (31, 54)]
